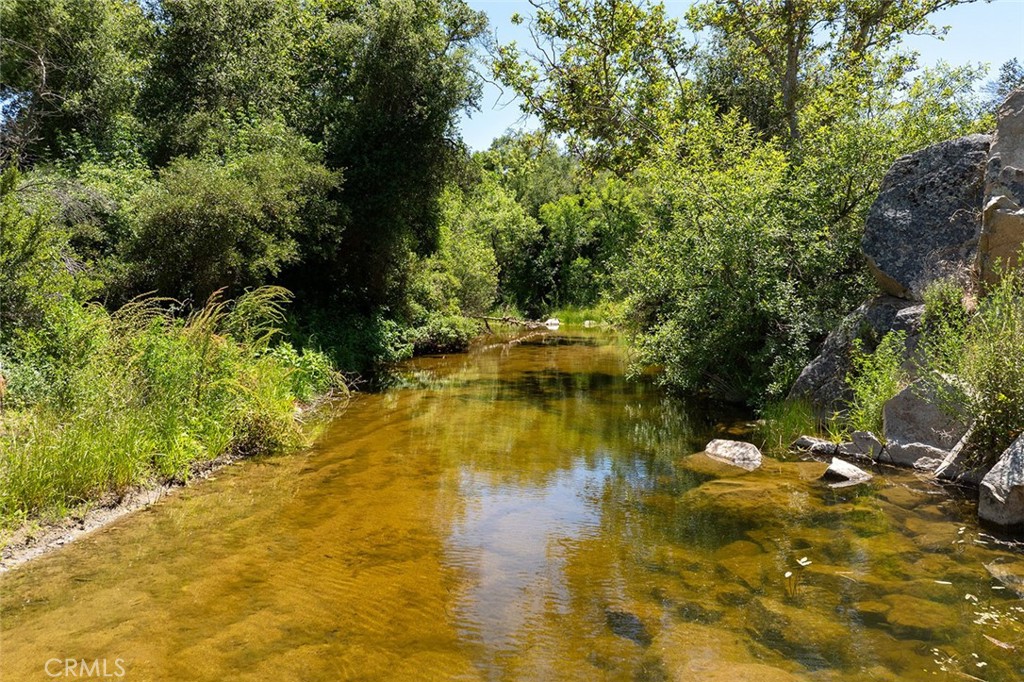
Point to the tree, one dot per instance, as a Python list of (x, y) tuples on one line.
[(215, 59), (383, 84), (802, 47), (1011, 77), (602, 72), (69, 68), (532, 168)]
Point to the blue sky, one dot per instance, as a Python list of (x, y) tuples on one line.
[(983, 32)]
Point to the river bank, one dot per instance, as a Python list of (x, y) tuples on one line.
[(34, 539)]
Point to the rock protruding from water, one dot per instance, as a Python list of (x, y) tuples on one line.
[(823, 381), (842, 474), (740, 454), (919, 433), (816, 446), (1002, 233), (867, 444), (925, 223), (1001, 498)]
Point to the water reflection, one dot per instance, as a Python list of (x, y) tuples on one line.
[(523, 512)]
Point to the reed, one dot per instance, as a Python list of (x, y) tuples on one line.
[(143, 395)]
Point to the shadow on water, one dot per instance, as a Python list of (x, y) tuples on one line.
[(523, 512)]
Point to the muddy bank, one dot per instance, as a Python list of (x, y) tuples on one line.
[(35, 538)]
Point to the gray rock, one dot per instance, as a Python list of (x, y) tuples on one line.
[(925, 223), (842, 474), (957, 466), (1001, 495), (1002, 233), (867, 444), (808, 443), (918, 431), (823, 381), (744, 455)]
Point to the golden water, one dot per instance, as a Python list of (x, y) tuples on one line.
[(523, 513)]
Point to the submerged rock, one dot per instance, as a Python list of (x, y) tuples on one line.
[(1001, 496), (918, 432), (627, 625), (842, 474), (744, 455), (691, 651), (807, 635), (920, 618), (924, 225), (1010, 575)]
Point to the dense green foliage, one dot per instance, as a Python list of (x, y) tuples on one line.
[(751, 180), (876, 377)]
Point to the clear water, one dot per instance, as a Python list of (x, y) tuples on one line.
[(522, 512)]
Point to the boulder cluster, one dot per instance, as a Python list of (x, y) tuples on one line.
[(954, 210)]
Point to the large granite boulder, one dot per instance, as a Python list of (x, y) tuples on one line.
[(925, 223), (1002, 233), (1001, 495), (919, 432), (823, 381)]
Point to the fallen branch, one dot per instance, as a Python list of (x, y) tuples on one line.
[(513, 321)]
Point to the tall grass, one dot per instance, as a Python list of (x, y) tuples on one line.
[(100, 402), (982, 345), (606, 312), (783, 422)]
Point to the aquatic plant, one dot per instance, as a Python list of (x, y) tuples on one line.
[(792, 578)]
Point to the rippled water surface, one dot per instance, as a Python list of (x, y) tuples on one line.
[(524, 513)]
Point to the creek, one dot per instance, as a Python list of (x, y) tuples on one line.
[(525, 512)]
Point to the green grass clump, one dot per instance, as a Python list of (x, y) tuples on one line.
[(875, 378), (100, 402), (605, 312), (783, 422)]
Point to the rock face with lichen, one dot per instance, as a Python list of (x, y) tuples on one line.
[(1002, 234), (823, 381), (924, 225)]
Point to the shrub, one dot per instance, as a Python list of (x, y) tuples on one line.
[(311, 373), (38, 269), (230, 219)]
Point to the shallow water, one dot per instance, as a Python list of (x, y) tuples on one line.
[(524, 513)]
